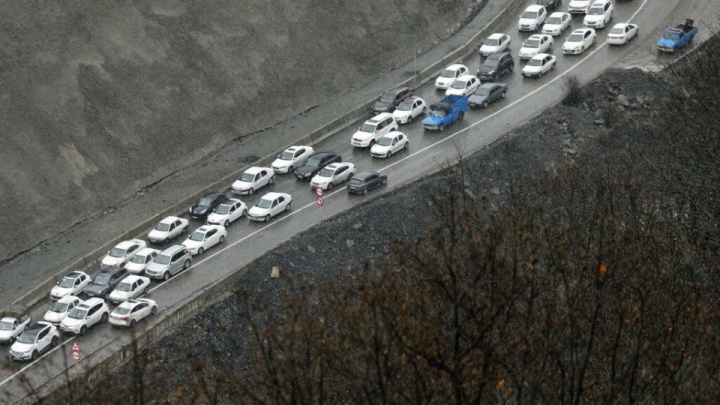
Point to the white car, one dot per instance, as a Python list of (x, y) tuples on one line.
[(14, 321), (131, 312), (204, 238), (122, 252), (90, 312), (253, 179), (35, 340), (579, 40), (72, 284), (409, 109), (59, 310), (536, 44), (332, 174), (227, 212), (269, 205), (448, 76), (130, 287), (140, 261), (294, 156), (532, 18), (373, 129), (579, 6), (621, 34), (556, 23), (463, 86), (390, 144), (599, 14), (495, 43), (539, 65), (167, 229)]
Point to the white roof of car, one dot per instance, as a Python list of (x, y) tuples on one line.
[(68, 299), (230, 201), (294, 148), (466, 77), (620, 25), (146, 251), (496, 36), (558, 14), (257, 169), (534, 7), (456, 66), (273, 195), (537, 36), (379, 117), (582, 30), (131, 279), (169, 220), (392, 134), (540, 56), (92, 301), (127, 243)]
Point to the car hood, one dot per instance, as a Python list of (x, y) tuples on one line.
[(529, 51), (444, 81), (135, 266), (594, 18), (400, 114), (54, 317), (379, 149), (72, 322), (477, 98), (321, 180), (96, 289), (487, 70), (188, 243), (241, 185), (281, 163), (572, 45), (119, 295), (528, 21), (152, 266), (529, 68), (381, 106), (112, 261), (157, 234), (666, 42), (196, 209), (60, 291), (258, 212), (455, 92), (489, 48), (4, 334), (579, 3), (216, 217), (362, 135), (552, 26), (18, 347), (433, 120), (306, 170)]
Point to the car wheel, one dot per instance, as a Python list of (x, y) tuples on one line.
[(582, 49), (384, 182), (272, 180), (441, 128), (484, 104), (372, 142), (330, 186), (511, 68), (222, 239), (288, 207), (407, 144), (461, 116), (200, 251), (83, 330), (186, 265), (504, 93), (153, 310), (167, 240), (409, 120), (540, 73), (553, 66), (146, 290), (227, 223), (104, 317), (133, 323), (34, 355), (267, 218), (389, 154), (166, 276), (251, 191), (365, 191), (424, 110), (54, 341), (244, 213)]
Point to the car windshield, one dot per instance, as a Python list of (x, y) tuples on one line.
[(122, 310), (117, 252), (326, 173), (535, 62), (438, 113), (387, 98), (448, 73), (67, 282), (102, 279), (197, 236), (59, 307), (575, 38), (529, 14), (672, 35), (385, 141), (459, 84), (162, 259), (162, 227), (315, 161), (355, 182), (405, 106), (596, 11), (367, 128), (617, 31), (125, 287), (138, 259), (4, 325), (263, 203), (222, 209), (287, 155), (205, 202), (247, 177), (482, 91), (492, 42), (554, 21), (27, 338), (532, 43), (77, 313)]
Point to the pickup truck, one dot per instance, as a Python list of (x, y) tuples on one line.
[(674, 38), (13, 323), (449, 110)]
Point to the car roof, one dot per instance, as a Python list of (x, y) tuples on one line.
[(466, 77), (496, 36), (111, 270), (92, 301), (363, 175), (333, 166), (274, 195), (132, 278), (204, 228), (76, 274), (379, 118), (582, 30), (558, 14), (599, 3), (68, 299), (323, 154), (257, 169), (488, 85), (35, 328), (213, 194), (172, 249), (169, 220), (541, 56), (230, 201), (497, 55), (126, 243), (534, 7), (536, 36), (456, 66), (620, 25), (392, 134), (396, 90), (146, 251)]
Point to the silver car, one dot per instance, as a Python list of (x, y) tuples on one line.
[(169, 262)]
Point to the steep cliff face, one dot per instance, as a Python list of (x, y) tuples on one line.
[(100, 98)]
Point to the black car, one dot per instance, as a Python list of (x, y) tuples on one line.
[(105, 282), (549, 4), (206, 205), (486, 94), (495, 66), (390, 99), (316, 162), (363, 182)]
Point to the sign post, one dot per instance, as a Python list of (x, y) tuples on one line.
[(319, 200), (76, 354)]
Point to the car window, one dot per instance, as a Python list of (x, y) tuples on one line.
[(299, 152), (42, 334), (133, 248), (281, 199), (77, 282), (177, 256), (92, 310), (274, 203), (340, 170)]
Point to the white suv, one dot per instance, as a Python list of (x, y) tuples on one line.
[(599, 14), (34, 340), (91, 312), (374, 129)]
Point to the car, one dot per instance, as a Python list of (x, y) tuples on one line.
[(390, 99), (122, 252), (14, 321), (89, 313), (227, 212), (487, 93), (169, 262), (463, 86), (622, 33), (390, 144), (130, 312), (206, 204), (448, 76), (532, 18), (549, 4), (140, 261), (60, 308), (253, 179), (130, 287), (494, 43), (315, 163), (167, 229), (204, 238), (105, 281), (495, 66), (270, 205), (331, 175), (292, 157), (409, 109), (599, 14), (579, 40), (556, 23), (36, 339), (363, 182), (535, 44), (579, 6), (539, 64), (373, 129), (72, 284)]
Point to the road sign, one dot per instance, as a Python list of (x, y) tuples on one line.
[(320, 201), (319, 191), (75, 352)]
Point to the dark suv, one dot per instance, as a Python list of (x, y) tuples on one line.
[(495, 66), (315, 163), (206, 205), (390, 99), (105, 281), (549, 4)]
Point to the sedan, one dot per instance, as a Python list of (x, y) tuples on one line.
[(331, 175), (539, 65), (59, 310), (206, 204), (130, 287), (621, 34), (448, 76), (294, 156), (130, 312), (363, 182), (579, 40), (463, 86), (227, 212), (556, 23), (409, 109), (532, 18), (122, 252), (494, 43), (167, 229), (204, 238), (488, 93), (315, 163), (536, 44), (253, 179), (390, 144), (140, 261), (549, 4), (72, 284), (270, 205)]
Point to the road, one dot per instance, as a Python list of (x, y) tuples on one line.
[(428, 152)]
